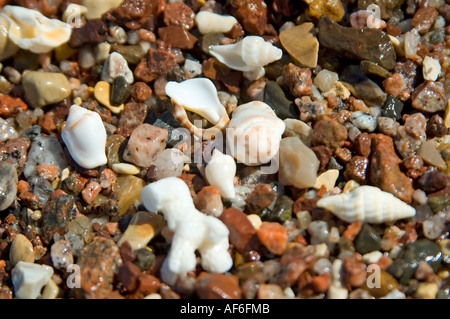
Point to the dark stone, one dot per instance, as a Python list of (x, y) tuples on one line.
[(405, 265), (133, 54), (274, 96), (433, 180), (438, 203), (361, 44), (392, 107), (371, 68), (56, 216), (41, 187), (93, 32), (368, 240), (281, 212), (120, 91), (145, 258)]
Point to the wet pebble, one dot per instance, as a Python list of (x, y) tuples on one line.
[(273, 236), (368, 240), (120, 91), (61, 254), (21, 250), (8, 184), (128, 189)]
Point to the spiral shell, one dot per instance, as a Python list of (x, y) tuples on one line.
[(254, 133), (249, 55), (367, 204), (31, 30), (85, 137), (198, 95)]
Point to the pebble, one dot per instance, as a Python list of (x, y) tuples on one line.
[(392, 107), (431, 155), (330, 133), (252, 16), (298, 163), (387, 286), (8, 184), (115, 66), (242, 233), (96, 9), (273, 236), (255, 220), (354, 273), (142, 228), (168, 163), (411, 135), (270, 291), (426, 290), (44, 150), (364, 121), (177, 37), (333, 9), (209, 201), (217, 286), (179, 13), (11, 106), (275, 97), (21, 250), (429, 97), (56, 215), (282, 211), (133, 115), (125, 168), (133, 54), (297, 80), (372, 257), (325, 80), (327, 179), (145, 142), (92, 33), (298, 129), (301, 44), (28, 279), (374, 45), (260, 198), (128, 189), (90, 192), (431, 68), (371, 68), (44, 88), (61, 254), (424, 19), (120, 91), (210, 22), (318, 230), (368, 240), (384, 170), (99, 262), (7, 130)]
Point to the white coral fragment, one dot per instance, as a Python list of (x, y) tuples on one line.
[(28, 279), (192, 230)]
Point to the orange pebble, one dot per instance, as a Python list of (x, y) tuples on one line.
[(23, 186), (91, 191), (320, 284), (352, 230), (47, 171), (274, 236), (112, 227)]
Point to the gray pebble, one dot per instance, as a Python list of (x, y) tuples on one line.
[(8, 184)]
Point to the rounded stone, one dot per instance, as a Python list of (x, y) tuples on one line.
[(120, 91), (44, 88), (21, 250)]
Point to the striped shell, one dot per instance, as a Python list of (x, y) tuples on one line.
[(198, 95), (367, 204), (254, 133), (248, 55)]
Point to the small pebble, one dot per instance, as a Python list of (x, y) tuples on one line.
[(102, 92), (125, 168), (61, 253), (426, 290), (141, 229), (115, 66), (21, 250), (273, 236)]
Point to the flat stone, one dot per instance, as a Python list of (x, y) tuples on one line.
[(133, 54), (275, 97), (120, 91), (301, 44), (373, 44), (431, 155), (387, 7), (178, 37), (371, 68), (8, 184), (44, 88)]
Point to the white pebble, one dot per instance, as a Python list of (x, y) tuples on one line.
[(86, 57), (372, 257), (364, 121), (7, 131), (115, 66), (125, 168), (394, 294), (337, 293), (322, 266), (168, 163), (209, 22), (192, 68), (318, 231), (325, 80), (28, 279), (433, 227), (412, 39), (430, 69), (102, 52), (395, 251), (133, 37)]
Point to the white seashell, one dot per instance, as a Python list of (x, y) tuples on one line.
[(31, 30), (369, 18), (28, 279), (85, 137), (210, 22), (254, 133), (220, 172), (249, 55), (192, 229), (367, 204), (198, 95)]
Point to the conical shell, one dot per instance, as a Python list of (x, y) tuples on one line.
[(220, 172), (85, 137), (31, 30), (198, 95), (367, 204), (248, 55), (254, 133)]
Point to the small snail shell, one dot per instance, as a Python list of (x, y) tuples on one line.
[(85, 137), (367, 204), (31, 30), (220, 172), (254, 133), (249, 55), (198, 95)]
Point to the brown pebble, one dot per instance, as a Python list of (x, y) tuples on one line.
[(429, 97), (209, 201), (10, 106), (320, 284), (353, 272), (128, 275), (356, 169), (324, 154), (91, 191), (362, 144), (177, 37), (252, 14), (330, 133), (140, 92), (424, 18), (157, 63), (297, 80), (148, 284), (180, 14), (217, 286), (262, 196), (352, 230), (242, 233)]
